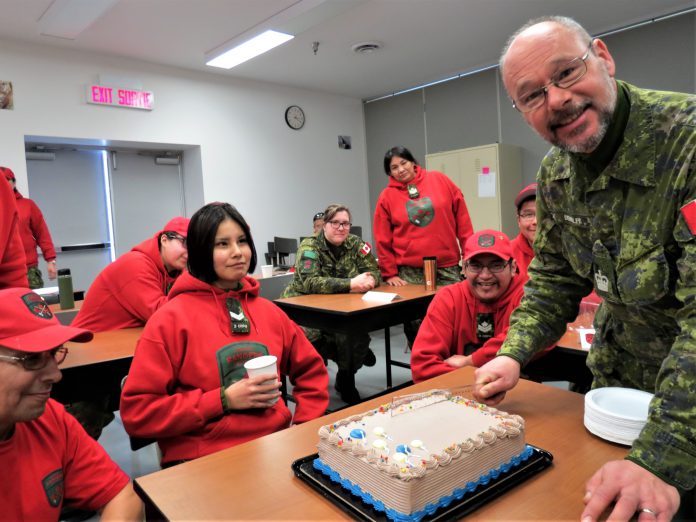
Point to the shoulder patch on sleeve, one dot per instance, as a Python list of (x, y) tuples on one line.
[(310, 254), (366, 249), (688, 211)]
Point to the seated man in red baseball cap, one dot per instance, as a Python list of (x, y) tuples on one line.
[(47, 459), (466, 322)]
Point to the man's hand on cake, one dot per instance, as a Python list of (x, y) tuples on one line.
[(495, 378), (260, 391), (459, 361), (635, 490)]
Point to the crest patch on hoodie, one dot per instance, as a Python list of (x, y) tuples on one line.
[(238, 321), (485, 326), (420, 211), (231, 359)]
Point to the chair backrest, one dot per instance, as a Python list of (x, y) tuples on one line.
[(356, 231), (284, 247)]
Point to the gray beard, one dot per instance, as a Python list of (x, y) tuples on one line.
[(592, 142)]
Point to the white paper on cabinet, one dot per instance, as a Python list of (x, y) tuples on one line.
[(486, 185)]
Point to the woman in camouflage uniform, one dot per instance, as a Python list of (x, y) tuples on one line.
[(334, 262)]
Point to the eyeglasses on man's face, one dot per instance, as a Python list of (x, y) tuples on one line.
[(38, 361), (178, 237), (566, 76), (338, 225), (494, 268), (527, 215)]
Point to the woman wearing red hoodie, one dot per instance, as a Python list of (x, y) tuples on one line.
[(187, 386), (420, 213)]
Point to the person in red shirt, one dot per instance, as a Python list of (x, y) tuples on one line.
[(128, 291), (13, 266), (34, 233), (420, 213), (522, 251), (47, 459), (467, 322), (187, 386)]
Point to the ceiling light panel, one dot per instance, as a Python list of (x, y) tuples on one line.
[(246, 51)]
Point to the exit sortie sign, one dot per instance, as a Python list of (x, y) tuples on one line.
[(130, 98)]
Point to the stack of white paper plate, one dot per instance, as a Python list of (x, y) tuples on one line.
[(616, 414)]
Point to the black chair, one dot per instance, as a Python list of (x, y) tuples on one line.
[(284, 247), (356, 231)]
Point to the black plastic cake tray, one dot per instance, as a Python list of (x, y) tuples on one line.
[(359, 510)]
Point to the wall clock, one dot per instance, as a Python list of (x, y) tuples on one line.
[(295, 117)]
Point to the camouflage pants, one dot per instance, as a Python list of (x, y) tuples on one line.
[(35, 278), (93, 414), (414, 275), (347, 350)]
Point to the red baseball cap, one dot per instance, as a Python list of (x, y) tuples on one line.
[(28, 325), (178, 224), (488, 242), (7, 172), (527, 192)]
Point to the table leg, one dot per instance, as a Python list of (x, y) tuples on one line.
[(387, 355)]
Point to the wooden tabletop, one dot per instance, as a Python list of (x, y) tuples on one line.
[(351, 303), (56, 309), (255, 481), (105, 347)]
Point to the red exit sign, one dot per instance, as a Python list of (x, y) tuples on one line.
[(131, 98)]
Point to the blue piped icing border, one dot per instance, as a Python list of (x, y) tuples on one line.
[(429, 509)]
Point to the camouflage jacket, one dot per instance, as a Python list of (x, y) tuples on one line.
[(317, 271), (623, 234)]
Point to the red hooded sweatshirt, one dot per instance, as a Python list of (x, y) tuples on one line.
[(406, 229), (13, 265), (452, 322), (522, 252), (34, 231), (187, 354), (128, 291)]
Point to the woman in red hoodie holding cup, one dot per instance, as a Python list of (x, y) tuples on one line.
[(187, 387)]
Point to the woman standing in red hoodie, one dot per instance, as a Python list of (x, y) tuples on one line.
[(187, 386), (420, 213)]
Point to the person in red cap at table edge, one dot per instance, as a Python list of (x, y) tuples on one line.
[(522, 251), (47, 459), (34, 232), (13, 268), (125, 295), (128, 291), (467, 322)]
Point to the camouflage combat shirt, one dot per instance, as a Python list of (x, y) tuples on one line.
[(623, 233), (318, 271)]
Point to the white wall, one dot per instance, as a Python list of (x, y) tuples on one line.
[(277, 177)]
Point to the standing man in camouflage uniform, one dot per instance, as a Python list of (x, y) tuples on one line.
[(616, 210), (337, 262)]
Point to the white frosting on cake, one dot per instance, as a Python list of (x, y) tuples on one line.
[(463, 440)]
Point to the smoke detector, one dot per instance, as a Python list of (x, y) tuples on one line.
[(366, 47)]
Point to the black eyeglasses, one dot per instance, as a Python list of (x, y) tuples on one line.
[(172, 235), (567, 76), (38, 361), (494, 268), (337, 225), (527, 215)]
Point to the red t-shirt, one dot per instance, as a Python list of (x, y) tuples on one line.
[(50, 462)]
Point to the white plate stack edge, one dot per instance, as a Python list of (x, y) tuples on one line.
[(616, 414)]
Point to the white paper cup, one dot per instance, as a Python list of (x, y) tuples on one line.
[(266, 364), (266, 270)]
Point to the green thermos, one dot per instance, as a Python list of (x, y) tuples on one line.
[(65, 289)]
